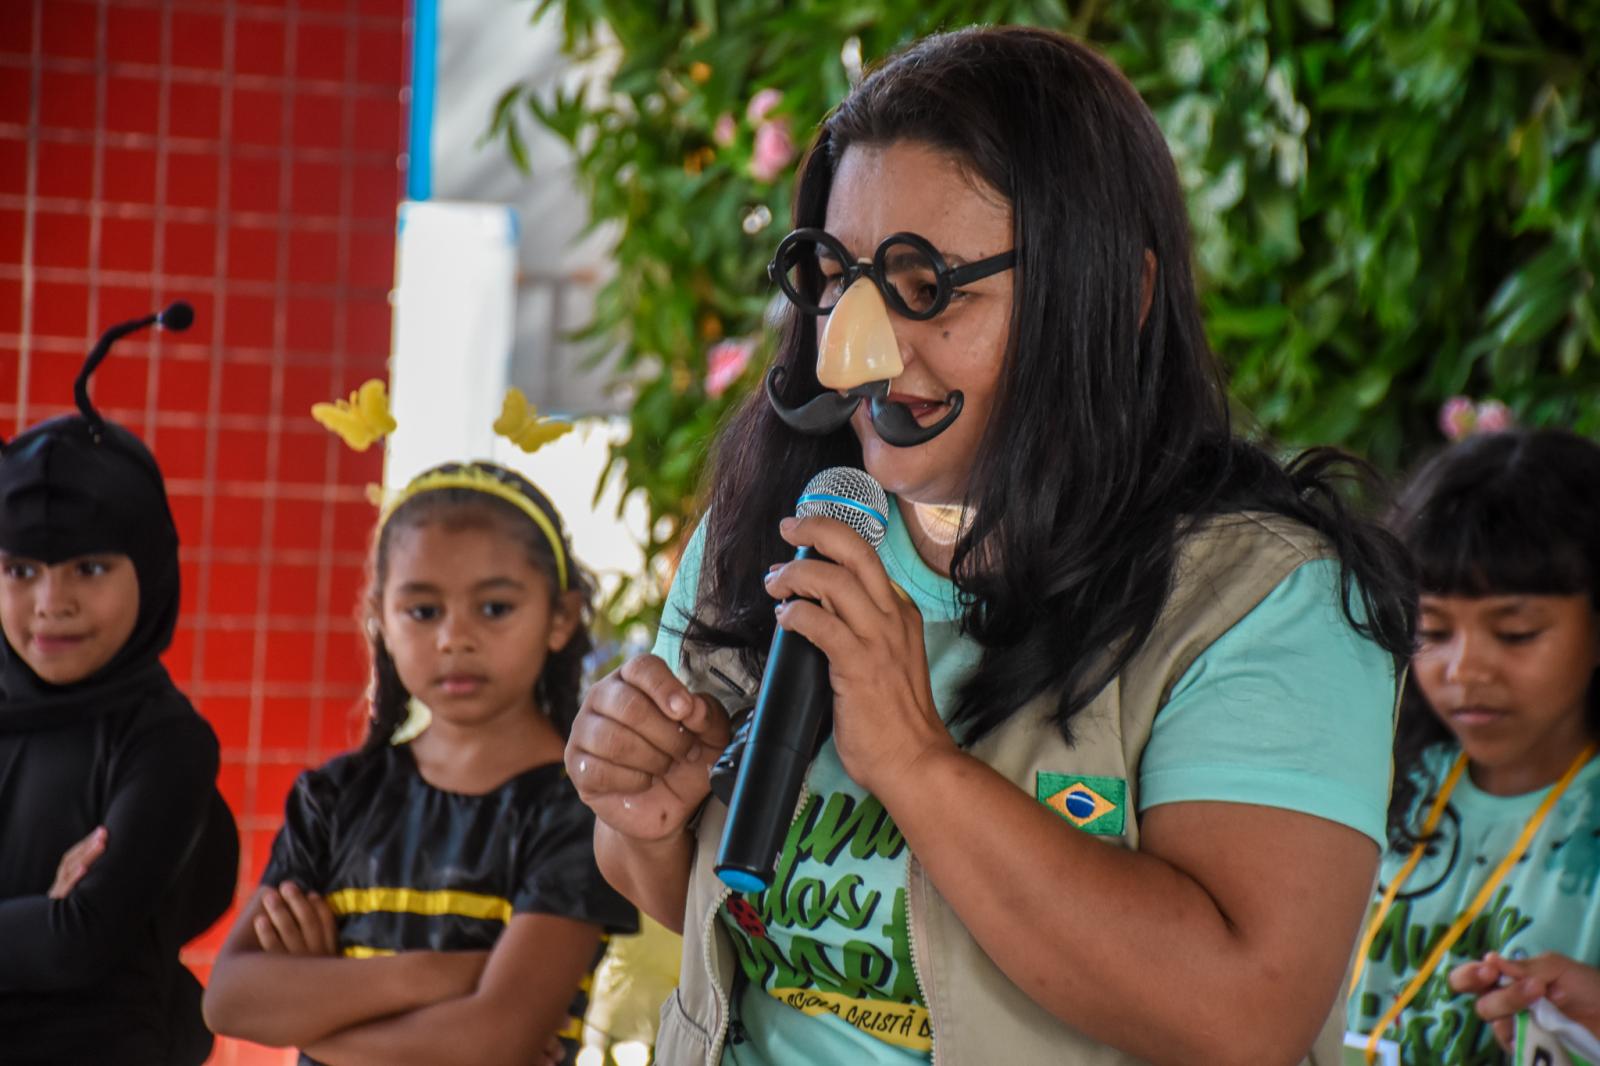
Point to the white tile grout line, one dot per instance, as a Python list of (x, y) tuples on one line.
[(29, 221)]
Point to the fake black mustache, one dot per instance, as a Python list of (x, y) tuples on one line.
[(829, 411)]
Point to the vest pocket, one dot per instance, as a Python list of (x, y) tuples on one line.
[(681, 1040)]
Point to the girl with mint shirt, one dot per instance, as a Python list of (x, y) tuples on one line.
[(1487, 895)]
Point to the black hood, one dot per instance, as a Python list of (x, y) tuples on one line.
[(80, 485)]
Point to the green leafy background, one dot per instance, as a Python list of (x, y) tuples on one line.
[(1393, 202)]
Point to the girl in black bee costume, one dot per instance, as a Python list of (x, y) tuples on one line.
[(115, 848), (433, 896)]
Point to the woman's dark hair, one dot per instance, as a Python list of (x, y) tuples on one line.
[(1107, 440), (557, 690), (1504, 514)]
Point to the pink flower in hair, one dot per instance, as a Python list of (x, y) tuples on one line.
[(1457, 417), (725, 362), (1493, 417), (724, 130)]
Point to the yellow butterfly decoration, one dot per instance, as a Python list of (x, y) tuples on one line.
[(519, 422), (361, 419)]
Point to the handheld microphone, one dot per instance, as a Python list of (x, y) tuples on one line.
[(794, 708)]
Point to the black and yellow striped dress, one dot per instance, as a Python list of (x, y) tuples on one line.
[(409, 867)]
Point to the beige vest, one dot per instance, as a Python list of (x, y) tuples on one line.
[(979, 1017)]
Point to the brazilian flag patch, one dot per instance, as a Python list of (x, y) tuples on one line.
[(1093, 804)]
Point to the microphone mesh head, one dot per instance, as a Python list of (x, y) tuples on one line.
[(850, 495)]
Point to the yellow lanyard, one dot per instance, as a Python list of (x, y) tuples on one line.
[(1479, 901)]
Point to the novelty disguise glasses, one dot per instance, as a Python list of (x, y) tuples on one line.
[(858, 354), (813, 269)]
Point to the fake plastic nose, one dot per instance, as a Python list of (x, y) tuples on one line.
[(858, 343)]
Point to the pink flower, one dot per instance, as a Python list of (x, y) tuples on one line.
[(1460, 418), (1457, 417), (725, 362), (1493, 417), (761, 103), (724, 130), (773, 150)]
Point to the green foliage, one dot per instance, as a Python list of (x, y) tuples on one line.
[(1394, 201)]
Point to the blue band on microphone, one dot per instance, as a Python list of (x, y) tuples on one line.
[(844, 501), (740, 881)]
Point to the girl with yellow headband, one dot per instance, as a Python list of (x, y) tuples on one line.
[(433, 896)]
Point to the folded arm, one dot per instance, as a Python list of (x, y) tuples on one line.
[(158, 801), (294, 1000), (519, 1005)]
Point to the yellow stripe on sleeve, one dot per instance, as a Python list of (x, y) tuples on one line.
[(417, 901), (361, 951)]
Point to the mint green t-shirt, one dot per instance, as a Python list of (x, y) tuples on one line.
[(1548, 902), (1290, 708)]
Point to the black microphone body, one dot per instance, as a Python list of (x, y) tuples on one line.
[(792, 715), (794, 707)]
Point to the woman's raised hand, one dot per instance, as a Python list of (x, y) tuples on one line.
[(642, 747), (884, 718)]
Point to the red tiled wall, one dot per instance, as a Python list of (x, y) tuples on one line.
[(242, 155)]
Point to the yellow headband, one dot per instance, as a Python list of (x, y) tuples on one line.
[(476, 479), (365, 418)]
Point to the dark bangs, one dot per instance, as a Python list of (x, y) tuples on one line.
[(1506, 514), (1514, 513)]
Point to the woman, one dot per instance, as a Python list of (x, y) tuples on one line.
[(1095, 614)]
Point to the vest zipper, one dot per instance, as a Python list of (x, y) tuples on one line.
[(714, 1056), (916, 965), (720, 1029)]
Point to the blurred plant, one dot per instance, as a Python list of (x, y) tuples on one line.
[(1394, 201)]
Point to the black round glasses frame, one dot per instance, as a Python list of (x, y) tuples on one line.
[(947, 278)]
